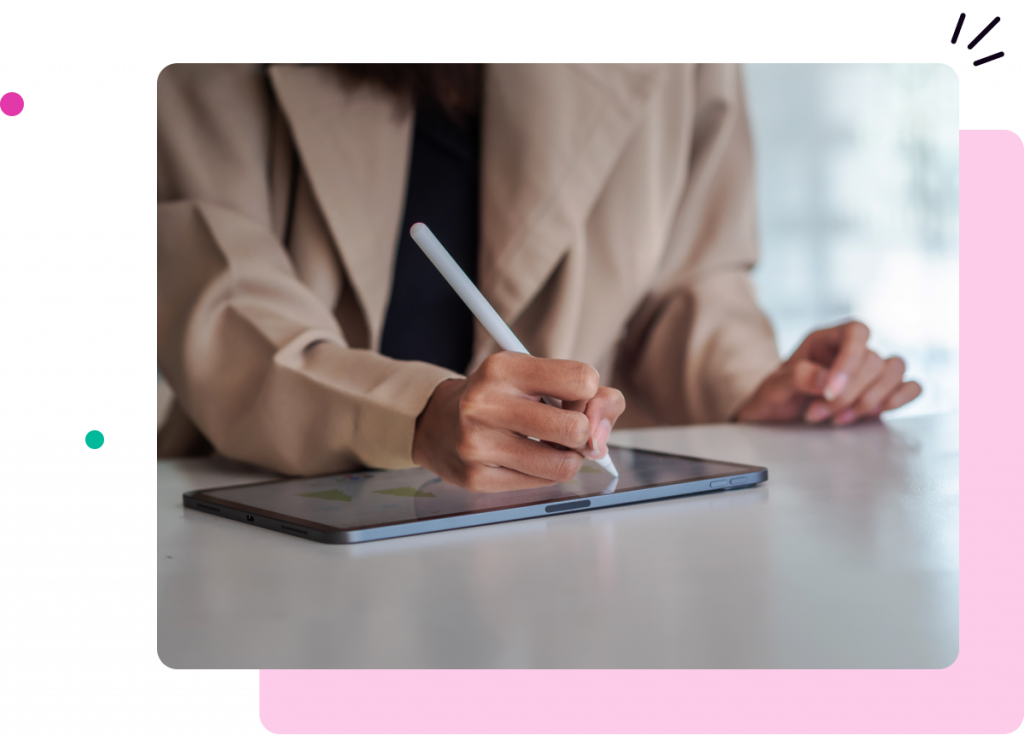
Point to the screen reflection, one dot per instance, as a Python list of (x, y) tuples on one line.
[(373, 498)]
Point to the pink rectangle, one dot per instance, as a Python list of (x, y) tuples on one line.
[(981, 692)]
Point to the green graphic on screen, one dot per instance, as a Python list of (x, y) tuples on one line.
[(406, 492), (591, 470), (329, 495), (95, 438)]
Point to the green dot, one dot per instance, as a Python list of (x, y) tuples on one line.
[(94, 439)]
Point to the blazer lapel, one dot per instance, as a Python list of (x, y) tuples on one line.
[(551, 135), (354, 143)]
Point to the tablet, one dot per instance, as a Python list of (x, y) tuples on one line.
[(371, 505)]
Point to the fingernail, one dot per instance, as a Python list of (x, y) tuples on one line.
[(817, 412), (600, 439), (835, 386), (845, 417), (822, 380)]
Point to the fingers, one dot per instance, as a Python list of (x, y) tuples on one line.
[(526, 417), (537, 460), (831, 375), (875, 386), (861, 377), (481, 443), (842, 348), (576, 425), (870, 402), (852, 348), (902, 395), (602, 411), (531, 464), (864, 376), (809, 377), (898, 395), (784, 395), (598, 415), (567, 380)]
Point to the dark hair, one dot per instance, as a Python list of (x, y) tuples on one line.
[(455, 88)]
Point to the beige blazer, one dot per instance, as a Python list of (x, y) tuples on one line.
[(617, 228)]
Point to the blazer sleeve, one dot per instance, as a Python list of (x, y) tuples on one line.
[(256, 360), (699, 345)]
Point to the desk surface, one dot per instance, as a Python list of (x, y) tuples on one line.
[(847, 558)]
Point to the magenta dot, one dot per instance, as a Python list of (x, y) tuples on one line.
[(12, 104)]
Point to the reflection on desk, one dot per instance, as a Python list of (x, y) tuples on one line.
[(847, 558)]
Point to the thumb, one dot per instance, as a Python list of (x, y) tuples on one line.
[(602, 411)]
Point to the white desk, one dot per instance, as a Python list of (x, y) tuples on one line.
[(847, 558)]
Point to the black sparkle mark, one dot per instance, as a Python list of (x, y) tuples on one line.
[(987, 59), (983, 60), (984, 32), (960, 27)]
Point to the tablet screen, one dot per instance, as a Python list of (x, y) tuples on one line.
[(378, 498)]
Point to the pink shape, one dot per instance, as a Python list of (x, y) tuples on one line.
[(979, 692), (12, 104)]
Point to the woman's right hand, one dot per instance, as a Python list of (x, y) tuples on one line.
[(473, 432)]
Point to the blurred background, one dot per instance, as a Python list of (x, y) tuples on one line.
[(858, 201), (857, 171)]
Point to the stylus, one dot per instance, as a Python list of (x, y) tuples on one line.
[(480, 307)]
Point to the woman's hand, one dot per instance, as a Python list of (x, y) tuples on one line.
[(474, 432), (832, 375)]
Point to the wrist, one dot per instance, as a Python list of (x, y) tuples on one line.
[(430, 421)]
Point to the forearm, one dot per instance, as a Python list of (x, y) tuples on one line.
[(699, 345), (698, 353), (259, 363)]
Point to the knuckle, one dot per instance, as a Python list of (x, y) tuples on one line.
[(897, 364), (582, 379), (472, 444), (589, 379), (860, 329), (490, 367), (575, 429), (473, 401), (466, 446), (802, 371), (567, 466)]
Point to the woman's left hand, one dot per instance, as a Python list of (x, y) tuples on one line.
[(832, 376)]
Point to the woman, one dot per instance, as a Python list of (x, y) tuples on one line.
[(607, 213)]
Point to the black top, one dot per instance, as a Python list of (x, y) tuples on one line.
[(426, 319)]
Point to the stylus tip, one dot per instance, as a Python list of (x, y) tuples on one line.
[(606, 462)]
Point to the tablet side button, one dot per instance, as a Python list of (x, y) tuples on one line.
[(719, 483), (575, 505), (739, 480)]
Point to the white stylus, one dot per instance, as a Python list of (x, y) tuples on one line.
[(476, 302)]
